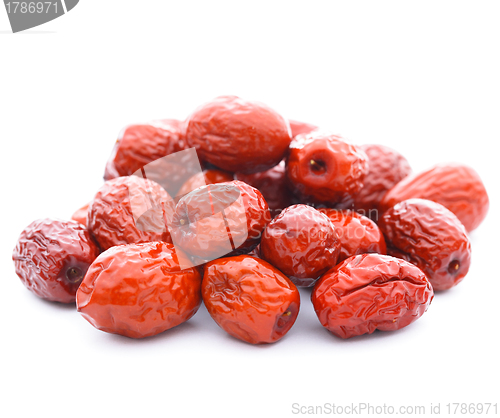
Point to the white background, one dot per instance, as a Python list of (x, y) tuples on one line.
[(422, 77)]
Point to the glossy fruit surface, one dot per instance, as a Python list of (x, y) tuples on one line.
[(298, 127), (430, 236), (219, 219), (358, 234), (139, 290), (81, 214), (210, 176), (138, 145), (386, 167), (368, 292), (302, 243), (250, 299), (129, 210), (52, 256), (324, 168), (456, 186), (273, 186), (238, 135)]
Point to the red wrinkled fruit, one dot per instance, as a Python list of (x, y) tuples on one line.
[(219, 219), (358, 234), (298, 127), (273, 186), (139, 290), (52, 256), (138, 145), (129, 210), (368, 292), (206, 177), (324, 168), (250, 299), (238, 135), (81, 214), (302, 243), (455, 186), (430, 236), (386, 167)]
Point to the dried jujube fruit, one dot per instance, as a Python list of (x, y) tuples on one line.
[(139, 290), (140, 144), (302, 243), (456, 186), (238, 135), (386, 167), (250, 299), (325, 168), (52, 256), (369, 292), (358, 234), (129, 210), (219, 219), (430, 236)]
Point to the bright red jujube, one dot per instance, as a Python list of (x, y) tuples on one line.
[(250, 299), (358, 234), (369, 292), (302, 243), (325, 168), (139, 290), (129, 210), (456, 186), (238, 135)]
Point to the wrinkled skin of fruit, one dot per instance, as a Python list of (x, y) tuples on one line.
[(138, 145), (250, 299), (219, 219), (298, 127), (358, 234), (237, 135), (386, 167), (206, 177), (81, 214), (273, 186), (430, 236), (129, 210), (52, 256), (456, 186), (324, 168), (139, 290), (302, 243), (368, 292)]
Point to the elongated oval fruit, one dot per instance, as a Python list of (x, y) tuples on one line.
[(250, 299), (430, 236), (139, 290), (457, 187), (369, 292)]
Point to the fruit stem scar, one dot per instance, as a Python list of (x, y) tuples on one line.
[(74, 274), (317, 166)]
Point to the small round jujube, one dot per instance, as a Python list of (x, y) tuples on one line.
[(302, 243), (325, 168), (52, 256)]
